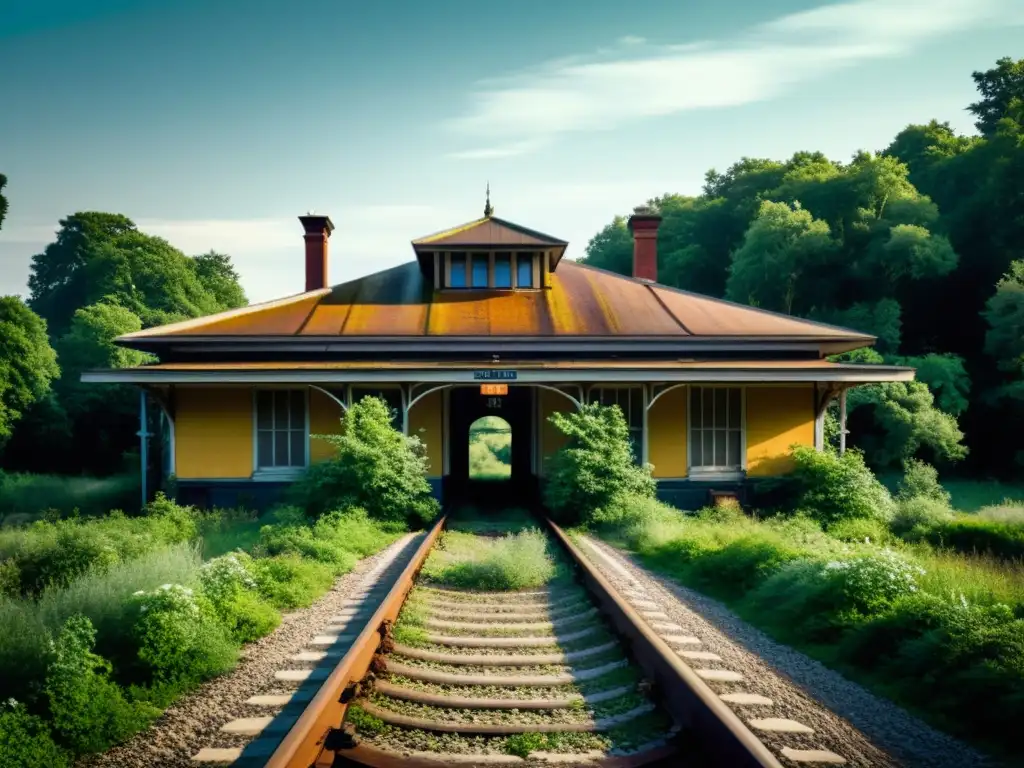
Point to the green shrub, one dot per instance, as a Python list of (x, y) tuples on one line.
[(916, 515), (231, 589), (626, 509), (104, 598), (25, 740), (860, 529), (375, 467), (515, 561), (288, 581), (52, 554), (968, 533), (874, 580), (595, 465), (833, 487), (89, 711), (961, 660), (179, 637), (300, 540), (921, 480), (338, 539)]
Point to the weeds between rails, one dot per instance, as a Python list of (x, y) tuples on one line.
[(498, 651)]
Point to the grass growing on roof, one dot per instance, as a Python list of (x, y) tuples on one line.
[(516, 561)]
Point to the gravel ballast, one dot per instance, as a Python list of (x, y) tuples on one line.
[(846, 718), (194, 721)]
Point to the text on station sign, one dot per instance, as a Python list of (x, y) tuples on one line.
[(493, 375), (494, 389)]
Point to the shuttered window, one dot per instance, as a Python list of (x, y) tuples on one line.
[(716, 428), (281, 439), (631, 402)]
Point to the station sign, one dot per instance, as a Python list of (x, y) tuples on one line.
[(494, 389), (494, 375)]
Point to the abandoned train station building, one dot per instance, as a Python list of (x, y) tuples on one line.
[(490, 319)]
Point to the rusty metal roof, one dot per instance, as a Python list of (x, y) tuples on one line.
[(582, 302)]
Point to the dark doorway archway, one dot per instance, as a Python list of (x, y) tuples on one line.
[(469, 406)]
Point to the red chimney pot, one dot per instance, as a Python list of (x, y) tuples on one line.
[(318, 230), (643, 224)]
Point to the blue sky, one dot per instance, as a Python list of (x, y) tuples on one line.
[(215, 123)]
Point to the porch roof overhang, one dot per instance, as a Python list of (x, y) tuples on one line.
[(553, 372)]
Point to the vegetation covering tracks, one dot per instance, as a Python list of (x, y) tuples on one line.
[(498, 651)]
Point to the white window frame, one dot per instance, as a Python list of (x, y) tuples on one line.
[(466, 257), (594, 396), (713, 472), (278, 473)]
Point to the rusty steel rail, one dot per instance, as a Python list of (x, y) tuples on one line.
[(688, 699), (306, 744)]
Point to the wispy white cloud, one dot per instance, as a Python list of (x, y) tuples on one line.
[(637, 80)]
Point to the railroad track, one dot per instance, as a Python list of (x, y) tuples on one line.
[(414, 674)]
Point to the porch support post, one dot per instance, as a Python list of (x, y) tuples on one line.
[(643, 442), (842, 421), (143, 434), (405, 408)]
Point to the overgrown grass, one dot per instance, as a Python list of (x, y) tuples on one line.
[(490, 455), (876, 613), (522, 560), (27, 625), (164, 621), (229, 530), (25, 497)]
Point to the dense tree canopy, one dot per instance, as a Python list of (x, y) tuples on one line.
[(99, 279), (907, 245), (27, 361)]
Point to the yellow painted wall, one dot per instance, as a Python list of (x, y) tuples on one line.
[(666, 434), (551, 439), (777, 418), (426, 421), (213, 432), (325, 418)]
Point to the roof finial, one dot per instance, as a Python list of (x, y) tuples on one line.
[(488, 209)]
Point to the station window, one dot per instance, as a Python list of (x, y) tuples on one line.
[(524, 270), (631, 401), (503, 270), (281, 440), (457, 271), (489, 270), (480, 269), (716, 429)]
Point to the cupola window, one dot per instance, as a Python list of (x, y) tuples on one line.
[(502, 270)]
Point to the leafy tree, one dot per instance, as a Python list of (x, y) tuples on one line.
[(55, 284), (595, 466), (946, 377), (881, 319), (103, 256), (219, 277), (27, 361), (904, 423), (1005, 315), (375, 467), (784, 247), (89, 344), (1002, 94)]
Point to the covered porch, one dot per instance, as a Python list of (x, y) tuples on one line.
[(237, 433)]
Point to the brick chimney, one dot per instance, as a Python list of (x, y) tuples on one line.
[(318, 230), (644, 225)]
